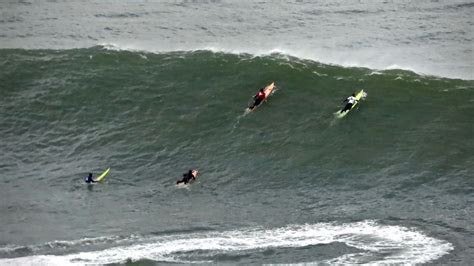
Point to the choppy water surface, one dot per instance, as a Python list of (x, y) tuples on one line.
[(288, 183)]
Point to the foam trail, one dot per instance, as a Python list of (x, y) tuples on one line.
[(385, 243)]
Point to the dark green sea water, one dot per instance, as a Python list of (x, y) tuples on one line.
[(392, 182)]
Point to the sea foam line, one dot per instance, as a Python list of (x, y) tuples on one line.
[(385, 243), (336, 58)]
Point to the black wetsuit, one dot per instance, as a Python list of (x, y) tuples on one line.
[(350, 102), (258, 100), (88, 179), (347, 107), (188, 177)]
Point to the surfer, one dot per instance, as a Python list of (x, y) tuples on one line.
[(350, 102), (188, 177), (259, 97), (88, 179)]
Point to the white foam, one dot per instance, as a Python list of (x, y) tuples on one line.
[(393, 244), (395, 66), (65, 244), (319, 74)]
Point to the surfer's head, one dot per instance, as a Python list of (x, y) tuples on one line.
[(90, 174), (353, 95), (261, 90)]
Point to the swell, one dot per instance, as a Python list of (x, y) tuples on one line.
[(323, 58), (96, 98)]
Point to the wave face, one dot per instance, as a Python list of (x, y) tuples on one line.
[(289, 183), (429, 37)]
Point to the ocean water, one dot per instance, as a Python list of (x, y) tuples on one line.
[(154, 88)]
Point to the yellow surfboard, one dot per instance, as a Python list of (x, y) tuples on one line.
[(102, 176)]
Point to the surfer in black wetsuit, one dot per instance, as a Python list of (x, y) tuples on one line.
[(88, 179), (351, 100), (259, 97), (188, 177)]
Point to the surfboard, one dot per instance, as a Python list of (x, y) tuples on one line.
[(268, 91), (358, 96), (183, 185), (102, 176)]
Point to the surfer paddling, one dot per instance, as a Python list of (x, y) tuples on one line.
[(351, 100), (262, 94), (188, 177), (259, 97)]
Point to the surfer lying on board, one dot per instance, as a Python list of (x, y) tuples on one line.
[(188, 177), (88, 179), (259, 97), (350, 102)]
